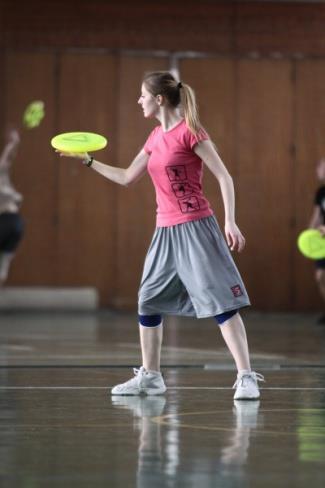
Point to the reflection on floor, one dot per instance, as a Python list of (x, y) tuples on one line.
[(61, 428)]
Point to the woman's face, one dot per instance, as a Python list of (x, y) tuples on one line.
[(148, 103)]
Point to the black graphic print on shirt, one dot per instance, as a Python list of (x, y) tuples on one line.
[(182, 189)]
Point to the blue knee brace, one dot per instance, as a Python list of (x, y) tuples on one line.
[(150, 320), (223, 317)]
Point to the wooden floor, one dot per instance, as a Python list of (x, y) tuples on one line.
[(61, 428)]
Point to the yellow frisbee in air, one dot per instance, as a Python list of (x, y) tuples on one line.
[(78, 142), (311, 244), (33, 114)]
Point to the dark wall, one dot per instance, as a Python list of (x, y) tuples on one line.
[(225, 27)]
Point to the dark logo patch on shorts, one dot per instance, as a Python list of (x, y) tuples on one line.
[(237, 291)]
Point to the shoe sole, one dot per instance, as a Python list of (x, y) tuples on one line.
[(148, 392), (247, 398)]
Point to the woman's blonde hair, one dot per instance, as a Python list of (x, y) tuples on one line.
[(176, 93)]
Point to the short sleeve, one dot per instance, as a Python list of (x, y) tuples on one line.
[(149, 142), (202, 135)]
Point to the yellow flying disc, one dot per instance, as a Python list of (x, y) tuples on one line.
[(78, 142), (311, 244), (33, 114)]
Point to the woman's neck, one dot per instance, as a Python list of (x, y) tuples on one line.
[(169, 118)]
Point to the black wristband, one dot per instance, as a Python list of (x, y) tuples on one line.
[(90, 162)]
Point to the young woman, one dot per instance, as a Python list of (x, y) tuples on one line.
[(188, 270), (11, 224)]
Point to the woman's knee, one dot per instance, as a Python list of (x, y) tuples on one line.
[(150, 320)]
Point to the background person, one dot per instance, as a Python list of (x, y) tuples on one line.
[(317, 221), (11, 223)]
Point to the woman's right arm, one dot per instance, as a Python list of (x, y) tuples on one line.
[(122, 176)]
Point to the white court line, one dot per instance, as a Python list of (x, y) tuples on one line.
[(168, 388)]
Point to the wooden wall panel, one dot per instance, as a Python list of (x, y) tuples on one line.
[(228, 27), (136, 204), (310, 147), (286, 27), (30, 76), (87, 201), (264, 180), (213, 80)]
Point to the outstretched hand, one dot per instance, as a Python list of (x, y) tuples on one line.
[(75, 155), (235, 239)]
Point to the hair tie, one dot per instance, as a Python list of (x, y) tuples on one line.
[(179, 85)]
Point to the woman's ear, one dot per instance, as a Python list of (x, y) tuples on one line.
[(159, 100)]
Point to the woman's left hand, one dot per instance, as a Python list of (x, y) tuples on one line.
[(235, 239)]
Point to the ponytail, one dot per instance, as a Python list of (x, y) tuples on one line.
[(190, 109)]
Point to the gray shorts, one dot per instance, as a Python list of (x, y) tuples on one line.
[(189, 271)]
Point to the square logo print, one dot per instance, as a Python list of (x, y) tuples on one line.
[(182, 190), (190, 204), (176, 173), (237, 291)]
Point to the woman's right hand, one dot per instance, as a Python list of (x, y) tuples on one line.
[(75, 155)]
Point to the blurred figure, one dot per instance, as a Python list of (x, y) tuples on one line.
[(317, 221), (11, 224)]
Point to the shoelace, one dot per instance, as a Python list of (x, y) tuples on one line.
[(240, 381), (138, 371)]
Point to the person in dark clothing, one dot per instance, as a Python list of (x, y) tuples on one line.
[(317, 221), (11, 223)]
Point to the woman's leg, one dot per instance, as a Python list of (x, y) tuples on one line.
[(320, 280), (151, 340), (234, 334), (147, 380), (11, 232), (5, 261)]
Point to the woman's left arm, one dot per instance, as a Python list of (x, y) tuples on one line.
[(206, 151)]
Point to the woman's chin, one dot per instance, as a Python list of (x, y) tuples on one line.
[(148, 116)]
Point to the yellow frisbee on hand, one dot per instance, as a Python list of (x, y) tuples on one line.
[(78, 142), (33, 114), (311, 244)]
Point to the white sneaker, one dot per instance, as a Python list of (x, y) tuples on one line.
[(143, 383), (246, 386)]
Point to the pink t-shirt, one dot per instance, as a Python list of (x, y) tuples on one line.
[(176, 172)]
